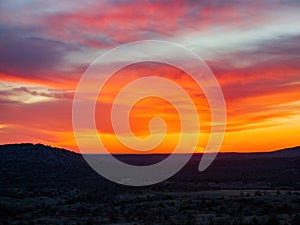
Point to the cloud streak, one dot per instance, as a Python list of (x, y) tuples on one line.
[(251, 46)]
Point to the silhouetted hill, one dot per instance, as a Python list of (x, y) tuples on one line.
[(44, 185), (35, 165), (37, 153), (287, 152), (30, 159), (43, 164)]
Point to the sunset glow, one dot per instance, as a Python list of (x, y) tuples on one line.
[(252, 48)]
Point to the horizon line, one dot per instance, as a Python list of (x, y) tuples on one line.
[(120, 154)]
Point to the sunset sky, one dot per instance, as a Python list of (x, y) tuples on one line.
[(252, 47)]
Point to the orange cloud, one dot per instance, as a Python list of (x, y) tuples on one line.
[(45, 54)]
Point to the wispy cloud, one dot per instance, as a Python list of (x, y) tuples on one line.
[(251, 46)]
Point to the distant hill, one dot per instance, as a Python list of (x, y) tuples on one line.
[(46, 149), (44, 185), (288, 152), (285, 153), (34, 150), (50, 153), (38, 155), (27, 165)]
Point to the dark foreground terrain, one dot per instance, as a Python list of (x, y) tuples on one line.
[(44, 185)]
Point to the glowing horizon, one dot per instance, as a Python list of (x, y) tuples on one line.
[(251, 47)]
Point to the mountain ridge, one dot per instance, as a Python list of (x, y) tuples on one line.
[(282, 152), (27, 166)]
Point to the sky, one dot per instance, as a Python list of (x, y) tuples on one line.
[(252, 47)]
